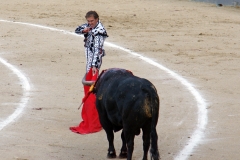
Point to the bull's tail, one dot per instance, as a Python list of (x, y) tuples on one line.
[(154, 137), (154, 145)]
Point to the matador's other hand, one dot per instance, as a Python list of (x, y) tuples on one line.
[(94, 70)]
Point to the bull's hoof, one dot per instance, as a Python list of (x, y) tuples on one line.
[(123, 155), (111, 155)]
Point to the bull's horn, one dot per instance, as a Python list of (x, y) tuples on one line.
[(87, 83)]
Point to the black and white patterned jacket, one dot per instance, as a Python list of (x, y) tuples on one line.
[(94, 39)]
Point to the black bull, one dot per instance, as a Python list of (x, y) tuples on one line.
[(127, 102)]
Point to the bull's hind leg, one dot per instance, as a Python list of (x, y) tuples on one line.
[(123, 153), (146, 139)]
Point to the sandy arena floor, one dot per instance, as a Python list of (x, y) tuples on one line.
[(42, 68)]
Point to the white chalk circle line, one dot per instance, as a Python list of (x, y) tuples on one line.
[(24, 99)]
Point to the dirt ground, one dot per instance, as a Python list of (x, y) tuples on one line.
[(198, 41)]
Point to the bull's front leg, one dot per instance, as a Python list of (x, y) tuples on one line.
[(111, 149), (107, 126)]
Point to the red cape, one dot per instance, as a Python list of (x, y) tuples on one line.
[(90, 120)]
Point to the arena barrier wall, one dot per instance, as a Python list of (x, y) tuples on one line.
[(235, 3)]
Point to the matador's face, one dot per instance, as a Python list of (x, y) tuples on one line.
[(92, 21)]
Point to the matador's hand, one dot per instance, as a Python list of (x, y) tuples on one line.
[(87, 29)]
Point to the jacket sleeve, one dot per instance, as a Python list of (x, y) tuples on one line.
[(79, 29), (98, 48)]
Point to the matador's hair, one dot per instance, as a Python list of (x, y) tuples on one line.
[(92, 13)]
